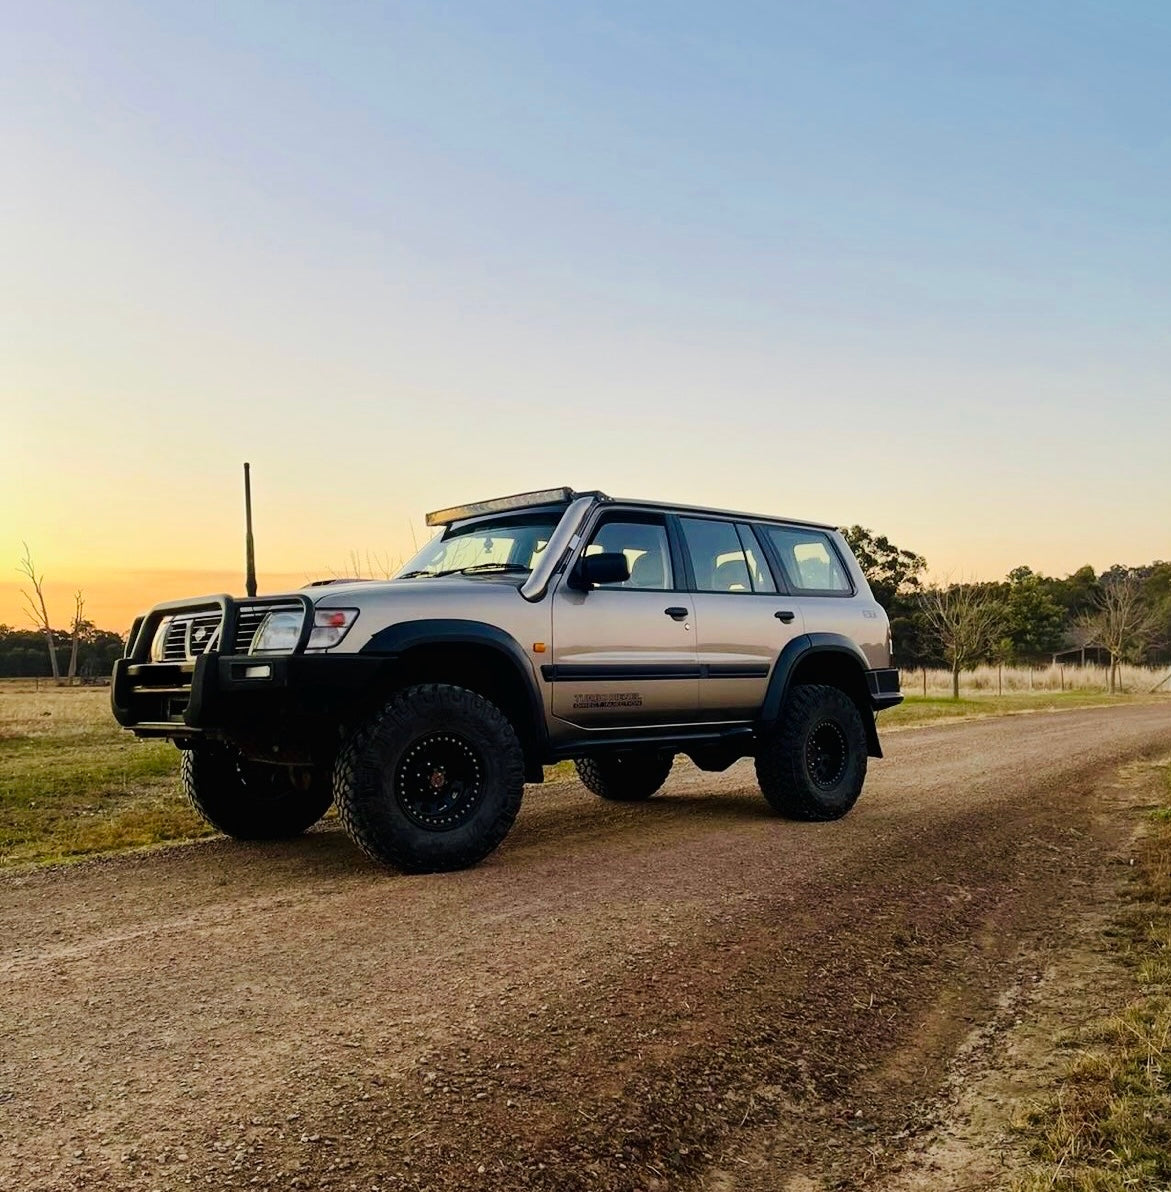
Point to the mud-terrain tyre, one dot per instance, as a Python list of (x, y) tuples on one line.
[(252, 800), (625, 777), (433, 782), (812, 763)]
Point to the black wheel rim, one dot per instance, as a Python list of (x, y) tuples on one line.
[(826, 754), (440, 782)]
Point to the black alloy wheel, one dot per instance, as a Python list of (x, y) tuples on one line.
[(440, 782), (433, 782), (826, 754)]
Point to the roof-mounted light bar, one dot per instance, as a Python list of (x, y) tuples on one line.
[(544, 496)]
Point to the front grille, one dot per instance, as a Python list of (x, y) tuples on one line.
[(191, 634), (175, 643)]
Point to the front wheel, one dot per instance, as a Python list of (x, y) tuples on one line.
[(811, 764), (433, 782), (252, 800), (625, 777)]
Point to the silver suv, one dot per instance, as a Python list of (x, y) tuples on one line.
[(534, 628)]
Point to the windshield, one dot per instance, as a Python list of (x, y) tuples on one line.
[(508, 543)]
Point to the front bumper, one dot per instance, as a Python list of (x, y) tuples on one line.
[(288, 702), (238, 695)]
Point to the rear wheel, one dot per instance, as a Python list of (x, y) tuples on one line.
[(252, 800), (625, 777), (812, 763), (433, 782)]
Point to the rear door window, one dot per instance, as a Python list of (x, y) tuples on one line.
[(720, 561)]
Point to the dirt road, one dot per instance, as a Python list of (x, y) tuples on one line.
[(686, 993)]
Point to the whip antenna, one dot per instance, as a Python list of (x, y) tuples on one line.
[(249, 547)]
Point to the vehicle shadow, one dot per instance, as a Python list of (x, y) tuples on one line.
[(570, 814), (593, 819)]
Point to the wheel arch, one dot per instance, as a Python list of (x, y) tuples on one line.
[(472, 654), (830, 659)]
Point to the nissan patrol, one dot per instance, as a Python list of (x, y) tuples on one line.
[(533, 628)]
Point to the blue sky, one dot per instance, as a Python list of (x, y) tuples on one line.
[(904, 265)]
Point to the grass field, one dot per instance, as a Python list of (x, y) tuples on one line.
[(1106, 1127), (917, 710), (72, 783)]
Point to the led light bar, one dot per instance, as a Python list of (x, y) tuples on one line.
[(544, 496)]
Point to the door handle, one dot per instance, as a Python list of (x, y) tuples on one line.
[(785, 615), (676, 614)]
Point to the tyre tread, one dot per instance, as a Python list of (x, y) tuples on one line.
[(780, 768), (216, 788), (630, 779)]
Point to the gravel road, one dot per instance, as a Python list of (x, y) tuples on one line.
[(681, 994)]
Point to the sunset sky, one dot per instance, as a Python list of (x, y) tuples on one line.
[(903, 264)]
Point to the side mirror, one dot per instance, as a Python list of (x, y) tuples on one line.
[(605, 568)]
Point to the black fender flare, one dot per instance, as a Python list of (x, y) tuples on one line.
[(799, 648), (396, 640)]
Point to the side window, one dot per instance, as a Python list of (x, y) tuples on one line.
[(645, 547), (809, 559), (719, 559)]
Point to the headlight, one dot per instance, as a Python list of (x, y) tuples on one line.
[(160, 637), (278, 634), (330, 625)]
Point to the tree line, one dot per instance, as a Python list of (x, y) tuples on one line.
[(24, 653), (1121, 615)]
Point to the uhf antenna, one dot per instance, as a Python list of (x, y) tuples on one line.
[(249, 547)]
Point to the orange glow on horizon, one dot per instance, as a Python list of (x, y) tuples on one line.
[(113, 599)]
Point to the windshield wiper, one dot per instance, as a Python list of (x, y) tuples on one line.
[(477, 568), (474, 569)]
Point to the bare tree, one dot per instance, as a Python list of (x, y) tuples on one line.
[(1121, 621), (35, 604), (965, 620), (78, 626)]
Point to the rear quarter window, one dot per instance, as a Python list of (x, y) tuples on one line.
[(809, 559)]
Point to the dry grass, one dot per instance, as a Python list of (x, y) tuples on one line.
[(1010, 680), (1107, 1125)]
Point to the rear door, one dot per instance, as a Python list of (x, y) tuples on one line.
[(819, 578), (624, 654), (742, 621)]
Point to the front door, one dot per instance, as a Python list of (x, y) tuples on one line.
[(623, 655)]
